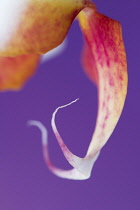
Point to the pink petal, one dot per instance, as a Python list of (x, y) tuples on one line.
[(105, 63)]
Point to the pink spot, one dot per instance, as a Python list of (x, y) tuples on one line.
[(108, 97), (120, 77), (103, 105), (111, 82), (103, 125), (108, 63), (106, 117)]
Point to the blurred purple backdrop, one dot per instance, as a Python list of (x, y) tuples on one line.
[(25, 181)]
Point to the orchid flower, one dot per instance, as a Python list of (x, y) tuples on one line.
[(31, 28)]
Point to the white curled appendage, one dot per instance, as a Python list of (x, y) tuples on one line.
[(82, 167)]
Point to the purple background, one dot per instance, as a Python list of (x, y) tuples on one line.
[(25, 181)]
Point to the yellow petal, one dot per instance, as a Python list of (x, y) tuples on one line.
[(31, 27), (42, 25), (15, 71)]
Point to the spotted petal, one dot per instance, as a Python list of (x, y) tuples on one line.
[(104, 60)]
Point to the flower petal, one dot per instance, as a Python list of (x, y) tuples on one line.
[(105, 63), (29, 27), (36, 26), (15, 71)]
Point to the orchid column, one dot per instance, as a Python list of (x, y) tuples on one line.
[(31, 28)]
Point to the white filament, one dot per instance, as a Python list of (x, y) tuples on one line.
[(42, 129), (82, 167)]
